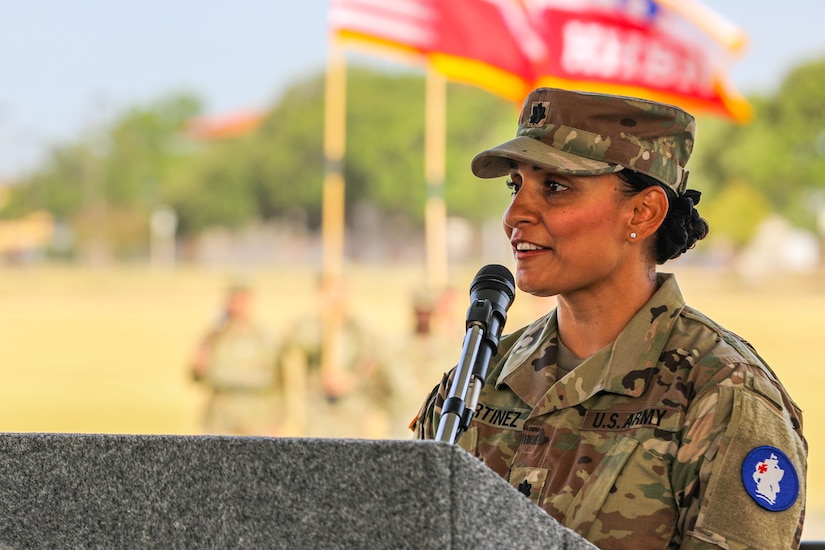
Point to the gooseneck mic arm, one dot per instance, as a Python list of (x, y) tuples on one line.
[(491, 294)]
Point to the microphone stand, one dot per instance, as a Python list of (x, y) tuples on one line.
[(455, 413)]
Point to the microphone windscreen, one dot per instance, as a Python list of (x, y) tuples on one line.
[(494, 277)]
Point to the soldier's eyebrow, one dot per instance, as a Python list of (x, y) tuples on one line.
[(537, 168)]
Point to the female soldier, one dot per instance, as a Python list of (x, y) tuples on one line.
[(628, 416)]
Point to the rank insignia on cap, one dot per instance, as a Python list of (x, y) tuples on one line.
[(770, 478), (538, 113)]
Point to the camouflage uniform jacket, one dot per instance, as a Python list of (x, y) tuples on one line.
[(656, 441)]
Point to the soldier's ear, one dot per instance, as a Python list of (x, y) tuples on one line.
[(649, 210)]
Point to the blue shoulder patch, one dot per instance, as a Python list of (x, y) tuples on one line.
[(770, 478)]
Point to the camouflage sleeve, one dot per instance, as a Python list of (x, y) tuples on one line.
[(731, 434), (199, 363), (425, 425)]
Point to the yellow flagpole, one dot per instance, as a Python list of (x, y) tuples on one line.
[(334, 146), (435, 213), (332, 302)]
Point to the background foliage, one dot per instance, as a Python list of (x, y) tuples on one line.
[(105, 184)]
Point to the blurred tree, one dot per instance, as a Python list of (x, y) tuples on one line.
[(779, 157), (278, 172), (273, 172), (384, 162), (800, 113), (144, 146), (213, 188), (737, 211), (476, 120), (56, 186), (107, 183)]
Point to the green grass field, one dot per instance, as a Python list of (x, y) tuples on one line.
[(106, 350)]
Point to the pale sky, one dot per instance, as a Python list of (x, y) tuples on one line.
[(68, 65)]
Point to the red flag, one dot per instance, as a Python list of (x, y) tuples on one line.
[(480, 42), (645, 48)]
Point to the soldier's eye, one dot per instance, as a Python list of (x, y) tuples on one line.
[(513, 187), (552, 186)]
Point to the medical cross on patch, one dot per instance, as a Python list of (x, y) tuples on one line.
[(770, 478)]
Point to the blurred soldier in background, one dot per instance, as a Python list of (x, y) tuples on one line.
[(236, 361), (421, 358), (345, 390)]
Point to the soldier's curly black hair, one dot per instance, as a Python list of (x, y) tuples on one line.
[(682, 226)]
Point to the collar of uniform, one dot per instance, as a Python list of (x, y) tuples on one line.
[(534, 336), (623, 367)]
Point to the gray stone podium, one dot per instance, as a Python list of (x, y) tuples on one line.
[(118, 491)]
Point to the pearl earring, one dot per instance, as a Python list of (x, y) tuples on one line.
[(633, 235)]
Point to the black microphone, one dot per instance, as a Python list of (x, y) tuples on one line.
[(491, 293), (494, 284)]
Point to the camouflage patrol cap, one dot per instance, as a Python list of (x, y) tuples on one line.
[(588, 134)]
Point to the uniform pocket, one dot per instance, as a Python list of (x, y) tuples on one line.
[(588, 502), (627, 501)]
